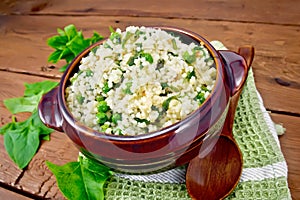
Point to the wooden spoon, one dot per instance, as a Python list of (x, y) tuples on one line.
[(216, 175)]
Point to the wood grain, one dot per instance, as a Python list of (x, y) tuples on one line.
[(272, 27), (235, 10), (9, 195), (276, 55), (290, 147)]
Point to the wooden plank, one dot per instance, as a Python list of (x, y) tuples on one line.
[(9, 195), (290, 143), (276, 63), (281, 12), (36, 179)]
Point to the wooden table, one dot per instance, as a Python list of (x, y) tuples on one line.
[(272, 27)]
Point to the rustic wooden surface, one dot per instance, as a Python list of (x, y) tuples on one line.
[(272, 27)]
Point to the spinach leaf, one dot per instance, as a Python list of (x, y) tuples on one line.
[(36, 88), (22, 104), (22, 139), (81, 180)]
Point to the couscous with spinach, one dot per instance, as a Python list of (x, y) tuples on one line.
[(139, 81)]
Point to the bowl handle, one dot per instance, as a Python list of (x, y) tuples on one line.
[(237, 66), (49, 110)]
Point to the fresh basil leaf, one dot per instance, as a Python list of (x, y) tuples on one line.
[(36, 88), (22, 104), (58, 42), (70, 31), (22, 143), (81, 180)]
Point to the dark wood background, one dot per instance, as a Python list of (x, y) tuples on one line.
[(272, 27)]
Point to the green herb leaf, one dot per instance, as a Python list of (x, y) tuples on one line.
[(78, 44), (70, 31), (68, 44), (22, 104), (148, 57), (22, 139), (189, 59), (57, 42), (127, 89), (166, 103), (36, 88), (127, 37), (55, 56), (142, 120), (81, 180), (190, 75)]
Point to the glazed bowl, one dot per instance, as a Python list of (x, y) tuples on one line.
[(169, 147)]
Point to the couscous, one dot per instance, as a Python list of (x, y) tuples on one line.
[(140, 80)]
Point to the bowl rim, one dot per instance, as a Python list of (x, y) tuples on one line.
[(163, 132)]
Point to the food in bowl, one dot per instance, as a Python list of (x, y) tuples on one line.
[(139, 81)]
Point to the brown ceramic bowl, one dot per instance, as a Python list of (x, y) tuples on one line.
[(171, 146)]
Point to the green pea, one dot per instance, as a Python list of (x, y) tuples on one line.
[(104, 127), (101, 117), (102, 106)]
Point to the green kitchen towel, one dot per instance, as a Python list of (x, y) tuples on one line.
[(264, 173)]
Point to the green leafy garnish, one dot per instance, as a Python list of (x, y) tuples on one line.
[(189, 58), (127, 89), (68, 44), (127, 37), (147, 56), (190, 75), (166, 103), (142, 120), (174, 44), (81, 180), (22, 139), (200, 97), (116, 117), (115, 37), (22, 104)]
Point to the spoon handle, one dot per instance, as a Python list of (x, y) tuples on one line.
[(247, 52)]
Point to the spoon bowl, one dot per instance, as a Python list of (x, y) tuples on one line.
[(216, 175)]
